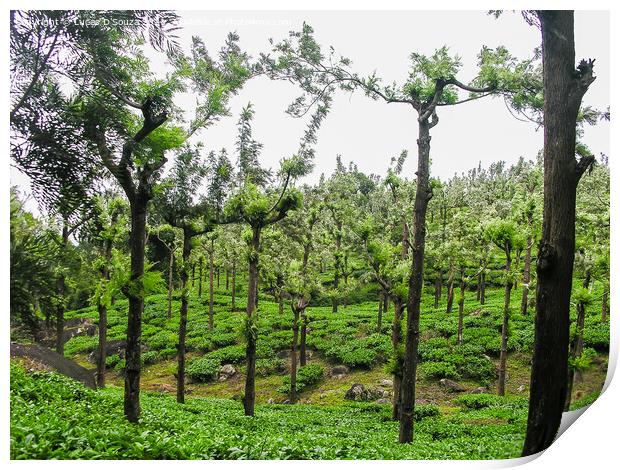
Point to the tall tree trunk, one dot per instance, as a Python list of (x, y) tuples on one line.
[(211, 287), (396, 343), (249, 398), (293, 392), (62, 290), (227, 273), (170, 284), (459, 333), (101, 345), (380, 313), (576, 347), (501, 386), (478, 285), (337, 269), (234, 285), (605, 303), (483, 281), (302, 343), (280, 301), (450, 289), (218, 277), (438, 287), (416, 279), (564, 88), (187, 248), (526, 275), (193, 274), (103, 312), (405, 238), (200, 263), (137, 240)]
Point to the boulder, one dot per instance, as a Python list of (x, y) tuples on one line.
[(383, 401), (386, 383), (226, 372), (521, 388), (451, 385), (271, 401), (339, 371), (479, 390), (358, 392)]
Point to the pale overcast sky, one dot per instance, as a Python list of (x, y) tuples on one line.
[(370, 132)]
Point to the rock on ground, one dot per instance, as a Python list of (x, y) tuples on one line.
[(339, 371), (226, 372), (358, 392), (452, 386)]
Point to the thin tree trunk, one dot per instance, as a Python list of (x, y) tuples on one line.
[(337, 268), (396, 343), (193, 274), (293, 392), (405, 238), (187, 248), (526, 276), (249, 398), (62, 290), (218, 277), (170, 284), (380, 313), (478, 285), (501, 386), (450, 289), (211, 287), (281, 301), (416, 279), (101, 345), (227, 273), (200, 263), (483, 285), (234, 285), (136, 307), (103, 313), (304, 333), (576, 347), (438, 287), (459, 334), (564, 88)]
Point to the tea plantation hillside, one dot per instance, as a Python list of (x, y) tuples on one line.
[(54, 417), (347, 338)]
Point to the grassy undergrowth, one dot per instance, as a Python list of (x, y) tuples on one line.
[(55, 417)]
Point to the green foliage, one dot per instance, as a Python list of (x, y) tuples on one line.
[(149, 357), (203, 369), (80, 344), (478, 401), (439, 370), (266, 367), (584, 361), (56, 417), (230, 354), (307, 376)]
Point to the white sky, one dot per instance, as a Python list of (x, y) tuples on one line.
[(370, 132)]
